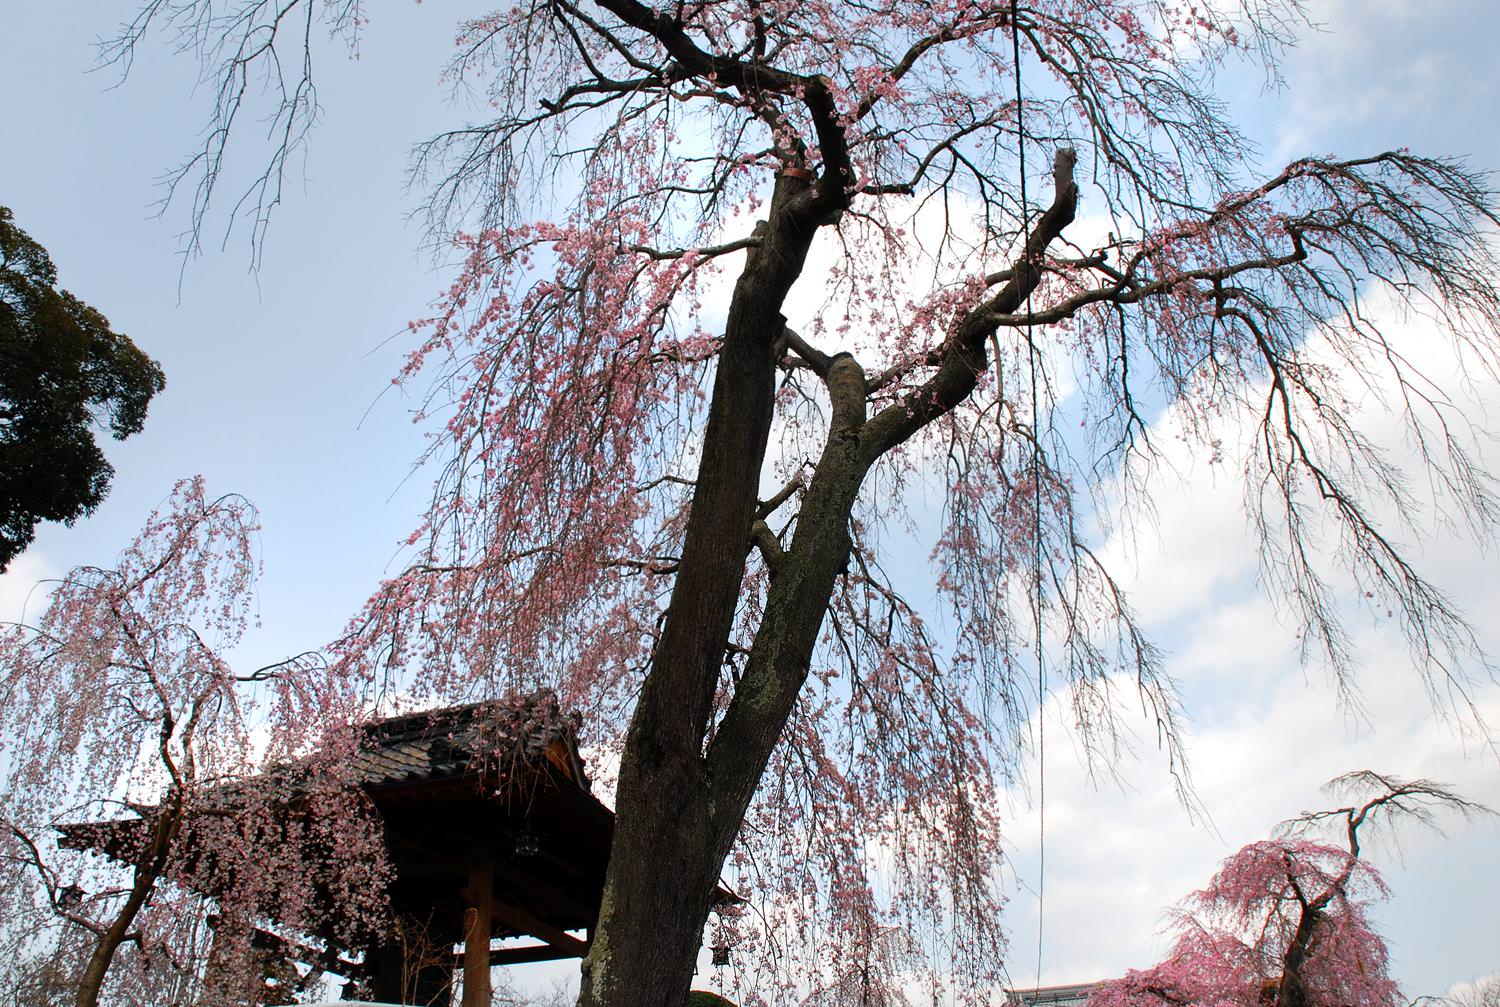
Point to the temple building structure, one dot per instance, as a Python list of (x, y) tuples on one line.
[(496, 843)]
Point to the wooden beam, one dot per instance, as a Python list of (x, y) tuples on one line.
[(529, 953), (521, 921), (553, 894), (479, 924)]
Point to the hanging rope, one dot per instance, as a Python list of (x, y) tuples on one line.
[(1036, 513)]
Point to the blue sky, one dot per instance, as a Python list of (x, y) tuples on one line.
[(278, 388)]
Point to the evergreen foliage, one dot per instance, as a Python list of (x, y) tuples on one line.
[(63, 372)]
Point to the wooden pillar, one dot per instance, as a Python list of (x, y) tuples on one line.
[(384, 962), (479, 924)]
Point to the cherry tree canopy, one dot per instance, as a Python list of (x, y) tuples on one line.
[(118, 704), (1282, 922), (669, 498), (1273, 902)]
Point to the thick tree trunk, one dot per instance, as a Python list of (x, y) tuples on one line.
[(683, 814), (679, 806), (92, 981), (665, 859), (661, 879)]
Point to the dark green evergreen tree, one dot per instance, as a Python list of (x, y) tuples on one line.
[(63, 374)]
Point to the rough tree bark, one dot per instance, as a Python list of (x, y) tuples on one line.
[(687, 796)]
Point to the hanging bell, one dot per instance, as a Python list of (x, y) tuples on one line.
[(528, 843)]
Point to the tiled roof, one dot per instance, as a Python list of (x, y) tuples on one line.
[(415, 748), (439, 744)]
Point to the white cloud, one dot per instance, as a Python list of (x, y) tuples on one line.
[(1118, 856), (1265, 733), (1378, 64)]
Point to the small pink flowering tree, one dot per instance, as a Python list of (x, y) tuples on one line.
[(1282, 923), (671, 501), (119, 714)]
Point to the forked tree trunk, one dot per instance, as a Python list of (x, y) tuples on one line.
[(682, 797), (668, 846)]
